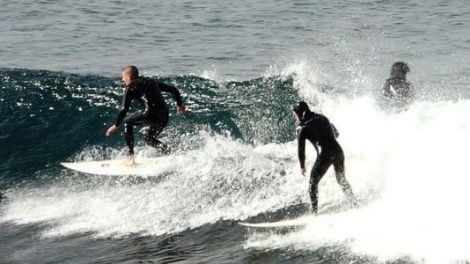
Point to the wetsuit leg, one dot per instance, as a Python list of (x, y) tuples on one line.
[(155, 128), (322, 163), (338, 164), (134, 119)]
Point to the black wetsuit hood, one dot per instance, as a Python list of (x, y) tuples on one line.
[(303, 111)]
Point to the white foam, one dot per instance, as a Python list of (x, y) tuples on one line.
[(224, 180), (417, 161)]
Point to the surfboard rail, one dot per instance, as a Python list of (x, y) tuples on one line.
[(117, 167), (289, 223)]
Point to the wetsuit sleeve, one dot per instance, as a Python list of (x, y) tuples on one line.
[(126, 103), (301, 148), (170, 89)]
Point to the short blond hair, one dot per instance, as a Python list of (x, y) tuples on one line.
[(133, 70)]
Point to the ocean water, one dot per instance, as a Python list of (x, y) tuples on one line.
[(240, 66)]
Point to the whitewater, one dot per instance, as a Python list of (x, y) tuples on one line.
[(408, 169)]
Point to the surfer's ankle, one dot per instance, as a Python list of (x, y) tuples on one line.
[(354, 203), (131, 160)]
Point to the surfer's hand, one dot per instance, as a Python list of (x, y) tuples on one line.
[(111, 130), (303, 171), (181, 108)]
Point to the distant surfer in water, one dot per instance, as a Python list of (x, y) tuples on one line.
[(322, 134), (397, 90), (154, 113)]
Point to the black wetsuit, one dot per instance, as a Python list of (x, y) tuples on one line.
[(318, 130), (398, 88), (154, 112)]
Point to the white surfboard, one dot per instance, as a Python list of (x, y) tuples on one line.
[(143, 167), (298, 222)]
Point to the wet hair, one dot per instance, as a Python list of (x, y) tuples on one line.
[(399, 69), (133, 70), (300, 108)]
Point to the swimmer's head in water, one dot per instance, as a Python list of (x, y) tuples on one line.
[(300, 108), (129, 73), (399, 69)]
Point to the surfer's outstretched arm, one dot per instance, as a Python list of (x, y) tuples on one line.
[(126, 103), (301, 150), (176, 94)]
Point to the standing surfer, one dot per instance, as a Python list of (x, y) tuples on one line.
[(322, 134), (154, 113)]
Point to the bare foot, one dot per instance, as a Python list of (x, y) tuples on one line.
[(354, 203), (130, 161)]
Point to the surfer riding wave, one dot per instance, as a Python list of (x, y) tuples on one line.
[(154, 113)]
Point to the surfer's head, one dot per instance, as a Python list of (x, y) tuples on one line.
[(129, 73), (399, 70), (300, 108)]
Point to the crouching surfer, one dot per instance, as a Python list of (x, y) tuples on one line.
[(154, 113), (322, 134)]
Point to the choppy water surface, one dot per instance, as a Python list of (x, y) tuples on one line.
[(240, 67)]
